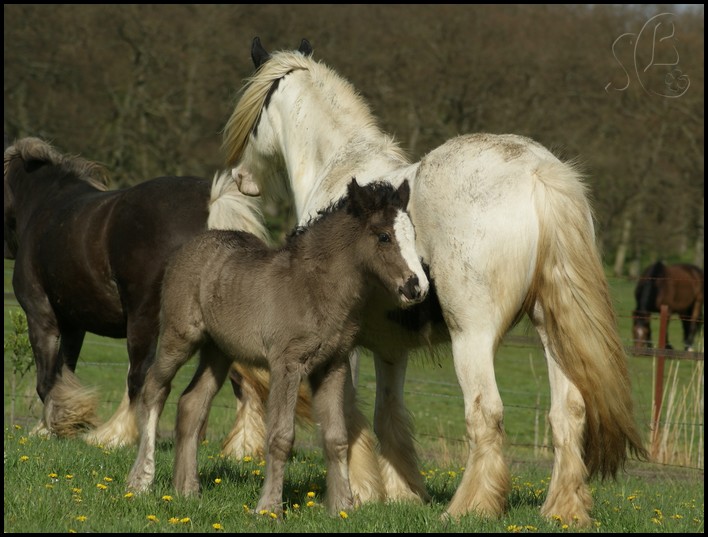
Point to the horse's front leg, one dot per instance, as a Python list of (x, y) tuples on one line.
[(280, 431), (394, 429), (192, 413), (328, 405), (122, 429)]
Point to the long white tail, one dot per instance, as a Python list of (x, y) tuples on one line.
[(580, 320), (230, 209)]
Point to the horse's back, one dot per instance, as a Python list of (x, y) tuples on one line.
[(486, 244)]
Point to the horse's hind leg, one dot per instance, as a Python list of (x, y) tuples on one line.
[(192, 412), (174, 351), (568, 493), (394, 429), (328, 405), (69, 408), (486, 480), (280, 435)]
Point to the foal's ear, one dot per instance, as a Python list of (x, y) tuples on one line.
[(259, 55), (357, 197), (305, 48), (403, 194)]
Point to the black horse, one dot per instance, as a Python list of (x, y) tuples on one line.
[(88, 259), (678, 286)]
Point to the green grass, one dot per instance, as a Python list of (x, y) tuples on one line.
[(648, 498)]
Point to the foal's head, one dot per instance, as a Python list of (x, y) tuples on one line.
[(386, 246)]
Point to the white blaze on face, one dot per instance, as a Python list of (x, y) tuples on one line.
[(405, 235)]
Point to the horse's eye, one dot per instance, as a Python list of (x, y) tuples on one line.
[(384, 237)]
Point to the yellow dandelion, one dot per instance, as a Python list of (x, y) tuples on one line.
[(108, 479), (310, 503), (18, 427), (310, 494), (217, 526), (296, 506), (245, 508), (128, 495), (68, 476), (343, 514), (263, 512), (23, 440), (167, 498), (273, 515), (72, 530), (217, 480), (261, 462), (656, 521), (76, 490), (256, 472), (101, 486), (53, 475), (152, 518), (24, 458), (631, 498), (173, 520), (564, 526), (81, 518), (247, 459), (185, 520), (677, 517)]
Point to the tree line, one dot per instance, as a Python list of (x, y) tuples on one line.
[(146, 89)]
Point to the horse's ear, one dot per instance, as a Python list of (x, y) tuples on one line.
[(305, 48), (357, 197), (403, 193), (259, 55)]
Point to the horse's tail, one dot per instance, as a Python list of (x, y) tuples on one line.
[(580, 320), (230, 209)]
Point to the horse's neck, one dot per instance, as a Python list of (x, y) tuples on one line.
[(319, 165), (323, 258)]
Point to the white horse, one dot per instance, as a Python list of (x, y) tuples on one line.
[(506, 230)]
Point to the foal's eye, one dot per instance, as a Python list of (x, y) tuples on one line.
[(384, 237)]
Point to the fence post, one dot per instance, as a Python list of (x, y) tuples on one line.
[(659, 380)]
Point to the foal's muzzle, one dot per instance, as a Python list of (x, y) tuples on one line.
[(412, 291)]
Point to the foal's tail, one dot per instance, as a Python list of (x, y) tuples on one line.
[(230, 209), (579, 318)]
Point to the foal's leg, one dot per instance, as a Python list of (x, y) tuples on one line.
[(328, 406), (192, 412), (280, 435), (394, 429), (174, 351)]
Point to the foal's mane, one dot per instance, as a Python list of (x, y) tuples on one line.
[(34, 149), (381, 189), (256, 92)]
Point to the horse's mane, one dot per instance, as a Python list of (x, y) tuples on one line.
[(34, 149), (256, 91), (382, 190), (646, 293)]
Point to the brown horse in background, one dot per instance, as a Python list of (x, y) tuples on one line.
[(678, 286)]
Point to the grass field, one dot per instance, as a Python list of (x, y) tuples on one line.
[(649, 498)]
